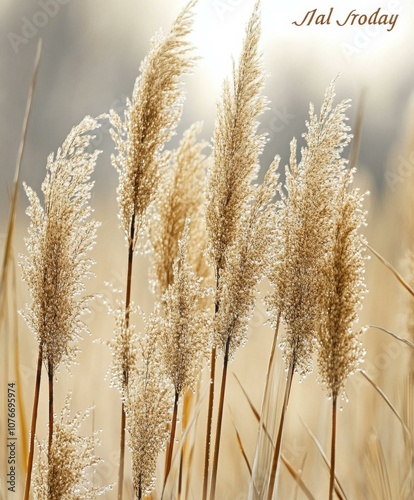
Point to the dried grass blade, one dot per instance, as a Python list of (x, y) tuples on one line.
[(242, 450), (254, 410), (262, 449), (338, 487), (296, 476), (302, 468), (184, 441), (13, 201), (177, 454), (397, 337), (385, 398), (256, 414), (380, 482), (403, 282)]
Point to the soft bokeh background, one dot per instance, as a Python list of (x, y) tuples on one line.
[(90, 58)]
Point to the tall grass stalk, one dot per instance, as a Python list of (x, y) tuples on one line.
[(340, 350), (7, 259), (34, 422), (22, 144), (8, 248), (246, 267), (237, 147), (219, 421), (170, 445), (307, 228), (60, 236), (183, 329), (276, 452), (150, 119), (125, 374), (253, 492), (209, 425), (333, 447)]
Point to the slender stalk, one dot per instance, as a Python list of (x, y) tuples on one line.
[(180, 476), (126, 374), (51, 423), (210, 401), (172, 437), (333, 447), (50, 379), (262, 412), (181, 470), (16, 183), (270, 365), (209, 421), (219, 421), (139, 493), (121, 452), (34, 421), (277, 449)]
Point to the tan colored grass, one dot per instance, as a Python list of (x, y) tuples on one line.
[(306, 238), (307, 244), (150, 119), (237, 147), (61, 234), (181, 197), (66, 471)]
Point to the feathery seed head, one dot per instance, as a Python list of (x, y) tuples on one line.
[(148, 407), (60, 237), (236, 146), (246, 264), (181, 196), (183, 322), (72, 461), (340, 350), (150, 119), (306, 230), (123, 347)]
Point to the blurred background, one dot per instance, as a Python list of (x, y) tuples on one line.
[(91, 55)]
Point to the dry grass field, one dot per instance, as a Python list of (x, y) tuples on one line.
[(185, 314)]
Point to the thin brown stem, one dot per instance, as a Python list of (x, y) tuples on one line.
[(276, 453), (333, 447), (181, 469), (121, 452), (139, 492), (50, 372), (34, 421), (209, 421), (126, 374), (172, 438), (180, 475), (210, 402), (219, 421), (271, 361)]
